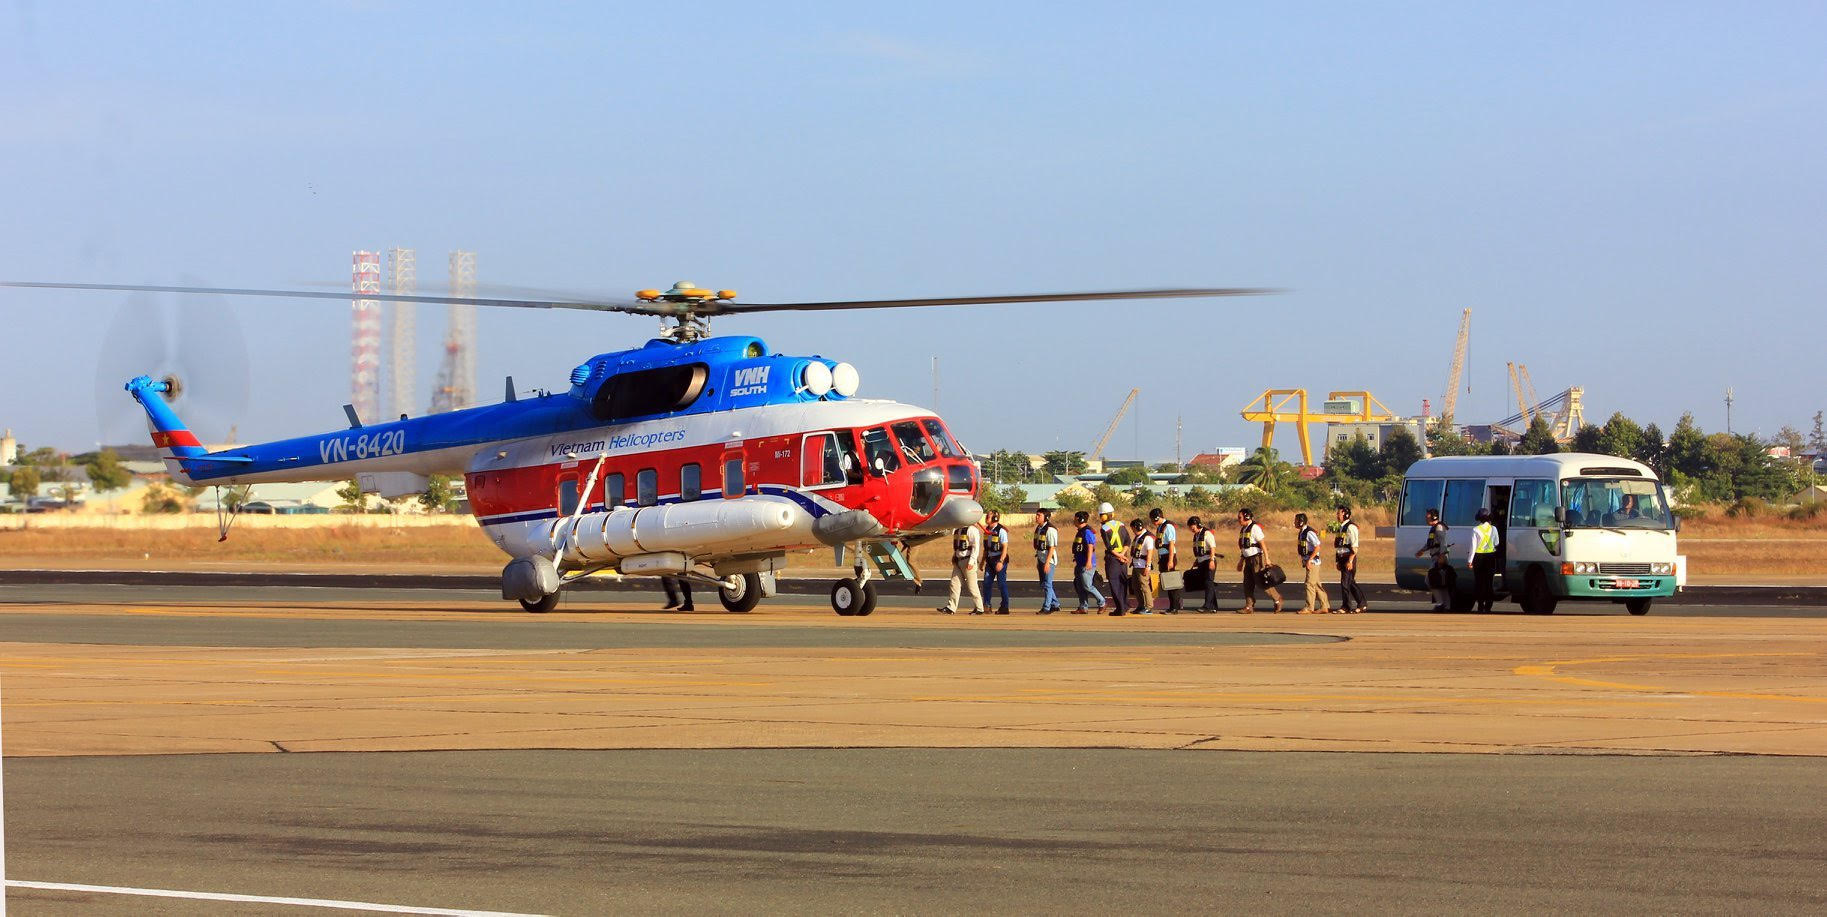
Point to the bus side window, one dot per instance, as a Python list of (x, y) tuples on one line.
[(1532, 504), (1419, 496), (1461, 504)]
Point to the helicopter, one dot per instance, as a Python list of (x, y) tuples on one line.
[(707, 458)]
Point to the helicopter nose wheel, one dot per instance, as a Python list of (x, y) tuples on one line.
[(851, 599)]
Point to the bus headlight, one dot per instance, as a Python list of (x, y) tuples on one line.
[(1664, 568), (1583, 568)]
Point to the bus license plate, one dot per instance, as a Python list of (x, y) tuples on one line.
[(1628, 584)]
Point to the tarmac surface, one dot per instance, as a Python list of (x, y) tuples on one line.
[(609, 757)]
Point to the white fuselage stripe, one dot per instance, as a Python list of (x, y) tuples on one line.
[(258, 899)]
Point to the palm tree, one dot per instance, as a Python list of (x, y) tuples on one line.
[(1265, 470)]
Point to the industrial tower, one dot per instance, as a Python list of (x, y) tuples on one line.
[(365, 339), (402, 278), (456, 388)]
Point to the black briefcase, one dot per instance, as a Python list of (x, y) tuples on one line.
[(1441, 577), (1272, 576)]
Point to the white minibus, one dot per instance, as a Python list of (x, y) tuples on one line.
[(1574, 526)]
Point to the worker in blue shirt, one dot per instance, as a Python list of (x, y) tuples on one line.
[(1084, 565), (996, 559)]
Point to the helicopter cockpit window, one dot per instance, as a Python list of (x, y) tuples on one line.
[(821, 464), (649, 391), (878, 451), (942, 439), (914, 447)]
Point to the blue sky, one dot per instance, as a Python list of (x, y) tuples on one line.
[(1628, 196)]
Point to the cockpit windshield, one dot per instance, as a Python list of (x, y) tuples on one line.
[(942, 439), (914, 447), (1622, 503), (879, 451)]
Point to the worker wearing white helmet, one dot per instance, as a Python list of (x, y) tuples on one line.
[(1116, 550)]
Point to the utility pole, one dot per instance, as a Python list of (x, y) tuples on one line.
[(1728, 409), (1178, 463)]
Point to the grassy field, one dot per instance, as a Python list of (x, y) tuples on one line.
[(1719, 548)]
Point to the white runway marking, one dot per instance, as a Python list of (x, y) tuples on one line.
[(260, 899)]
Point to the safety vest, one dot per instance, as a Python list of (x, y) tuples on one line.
[(1140, 552), (961, 545), (1306, 546), (1202, 546), (994, 541), (1161, 540), (1246, 540), (1082, 544), (1484, 538), (1341, 543), (1114, 537), (1040, 541), (1436, 539)]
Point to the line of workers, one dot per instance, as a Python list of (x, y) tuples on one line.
[(1144, 560)]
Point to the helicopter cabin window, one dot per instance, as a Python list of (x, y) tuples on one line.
[(732, 477), (691, 481), (914, 446), (615, 491), (661, 390), (567, 495), (646, 487), (821, 462), (879, 451), (942, 439)]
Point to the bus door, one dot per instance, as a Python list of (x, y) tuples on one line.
[(1497, 500)]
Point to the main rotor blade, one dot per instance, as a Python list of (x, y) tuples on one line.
[(660, 308), (722, 308)]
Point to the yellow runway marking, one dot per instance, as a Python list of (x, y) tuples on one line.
[(1548, 671)]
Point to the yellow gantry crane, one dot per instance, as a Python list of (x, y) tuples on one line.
[(1271, 407)]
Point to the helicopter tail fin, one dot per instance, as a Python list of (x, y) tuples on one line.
[(174, 440)]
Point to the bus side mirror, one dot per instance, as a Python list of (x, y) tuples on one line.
[(1560, 516), (1677, 523)]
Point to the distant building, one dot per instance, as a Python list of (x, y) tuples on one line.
[(1374, 434), (1221, 457), (9, 448)]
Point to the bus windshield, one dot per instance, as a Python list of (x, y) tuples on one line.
[(1618, 503)]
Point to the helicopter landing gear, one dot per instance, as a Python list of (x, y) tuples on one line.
[(853, 599), (545, 604), (533, 580), (740, 593)]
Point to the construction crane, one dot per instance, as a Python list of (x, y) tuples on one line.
[(1528, 391), (1567, 406), (1270, 408), (1451, 401), (1522, 404), (1097, 451)]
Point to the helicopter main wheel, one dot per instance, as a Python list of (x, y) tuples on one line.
[(545, 604), (851, 599), (740, 593)]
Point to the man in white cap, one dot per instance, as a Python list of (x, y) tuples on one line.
[(1116, 556)]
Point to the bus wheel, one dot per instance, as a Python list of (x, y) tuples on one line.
[(1637, 606), (1461, 602), (1537, 599), (741, 592)]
